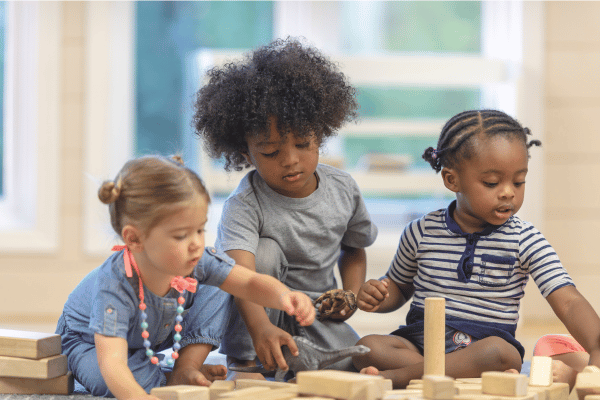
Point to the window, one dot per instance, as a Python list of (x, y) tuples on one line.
[(429, 45), (29, 201)]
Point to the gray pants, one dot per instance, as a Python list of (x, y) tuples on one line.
[(328, 334)]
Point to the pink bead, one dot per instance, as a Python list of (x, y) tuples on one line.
[(177, 328), (181, 300), (142, 306), (154, 360), (145, 334), (175, 355)]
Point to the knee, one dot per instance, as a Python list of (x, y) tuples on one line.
[(502, 355), (269, 258)]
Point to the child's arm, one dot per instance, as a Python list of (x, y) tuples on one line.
[(112, 360), (353, 270), (269, 292), (266, 337), (189, 368), (383, 295), (579, 318)]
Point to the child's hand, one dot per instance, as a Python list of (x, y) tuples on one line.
[(192, 376), (299, 305), (372, 293)]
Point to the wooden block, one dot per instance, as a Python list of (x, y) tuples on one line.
[(275, 394), (44, 368), (415, 381), (60, 385), (387, 385), (403, 394), (531, 396), (244, 393), (415, 386), (558, 391), (246, 383), (25, 344), (219, 387), (587, 383), (469, 380), (181, 392), (592, 397), (541, 371), (434, 342), (467, 388), (437, 387), (504, 384), (341, 384)]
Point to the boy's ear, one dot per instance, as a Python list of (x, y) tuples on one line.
[(451, 181), (247, 157), (132, 237)]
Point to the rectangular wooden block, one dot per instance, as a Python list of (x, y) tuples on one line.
[(217, 388), (403, 394), (587, 383), (181, 392), (468, 388), (437, 387), (60, 385), (557, 391), (25, 344), (341, 384), (541, 371), (246, 383), (44, 368), (246, 393), (504, 384), (530, 396), (275, 394)]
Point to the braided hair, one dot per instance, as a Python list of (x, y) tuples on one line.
[(455, 142)]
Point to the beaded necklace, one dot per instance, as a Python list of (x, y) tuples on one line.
[(180, 284)]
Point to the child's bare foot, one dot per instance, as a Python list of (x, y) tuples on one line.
[(561, 372), (369, 371), (512, 371)]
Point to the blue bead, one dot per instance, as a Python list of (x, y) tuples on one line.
[(144, 315), (177, 337), (149, 353), (176, 346), (170, 361), (178, 318), (179, 309), (147, 343), (144, 325)]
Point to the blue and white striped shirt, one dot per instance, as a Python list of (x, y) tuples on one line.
[(482, 275)]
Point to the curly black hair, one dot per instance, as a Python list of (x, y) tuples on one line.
[(455, 142), (293, 84)]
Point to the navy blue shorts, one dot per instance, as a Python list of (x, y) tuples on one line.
[(455, 340)]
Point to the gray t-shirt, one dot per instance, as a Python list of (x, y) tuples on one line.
[(309, 230)]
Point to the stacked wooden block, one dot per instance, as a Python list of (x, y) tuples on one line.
[(32, 363)]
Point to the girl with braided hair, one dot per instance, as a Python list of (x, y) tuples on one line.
[(160, 289), (478, 256)]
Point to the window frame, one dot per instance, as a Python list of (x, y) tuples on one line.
[(29, 209)]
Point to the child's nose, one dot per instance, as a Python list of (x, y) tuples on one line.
[(507, 192), (289, 157)]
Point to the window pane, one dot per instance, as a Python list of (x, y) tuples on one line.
[(410, 103), (2, 27), (167, 31)]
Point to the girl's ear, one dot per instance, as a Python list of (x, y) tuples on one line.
[(132, 237), (451, 181)]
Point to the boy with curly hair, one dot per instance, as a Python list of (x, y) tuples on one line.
[(290, 217)]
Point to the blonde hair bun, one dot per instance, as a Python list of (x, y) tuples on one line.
[(109, 192)]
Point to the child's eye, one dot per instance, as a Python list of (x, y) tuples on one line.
[(303, 145), (519, 184), (180, 237), (490, 184), (271, 155)]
